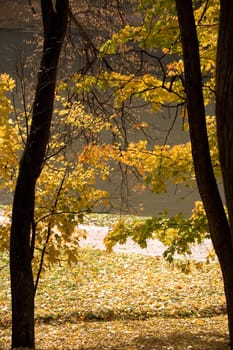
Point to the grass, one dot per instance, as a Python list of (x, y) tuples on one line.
[(122, 301)]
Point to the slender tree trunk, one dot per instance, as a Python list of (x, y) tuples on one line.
[(217, 219), (22, 233)]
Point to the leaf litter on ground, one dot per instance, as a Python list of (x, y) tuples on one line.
[(124, 301)]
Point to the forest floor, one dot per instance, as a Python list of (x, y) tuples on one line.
[(124, 301)]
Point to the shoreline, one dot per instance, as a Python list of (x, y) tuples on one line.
[(96, 234)]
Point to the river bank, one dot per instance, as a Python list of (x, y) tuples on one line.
[(96, 234)]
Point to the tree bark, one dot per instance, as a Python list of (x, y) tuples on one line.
[(224, 115), (224, 101), (22, 233), (218, 222)]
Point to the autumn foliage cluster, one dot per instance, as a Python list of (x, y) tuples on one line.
[(88, 143)]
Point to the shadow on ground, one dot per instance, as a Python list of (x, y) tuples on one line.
[(174, 341), (155, 334), (152, 334)]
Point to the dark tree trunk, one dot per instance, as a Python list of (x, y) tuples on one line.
[(22, 234), (224, 101), (217, 219), (224, 117)]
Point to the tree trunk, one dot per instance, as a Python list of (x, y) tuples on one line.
[(224, 101), (224, 118), (217, 219), (22, 233)]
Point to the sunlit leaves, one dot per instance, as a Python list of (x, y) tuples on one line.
[(159, 30), (77, 154), (6, 84), (177, 233), (162, 165), (158, 26), (8, 134), (67, 186)]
